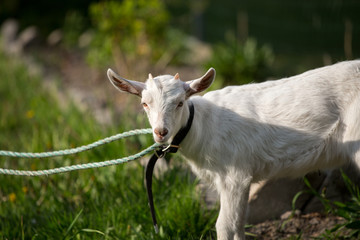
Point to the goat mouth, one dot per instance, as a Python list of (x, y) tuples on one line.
[(160, 139)]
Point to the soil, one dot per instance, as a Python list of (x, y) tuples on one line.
[(307, 226)]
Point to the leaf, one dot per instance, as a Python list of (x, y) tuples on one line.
[(352, 188), (297, 195), (336, 228), (339, 204), (250, 234), (343, 213), (313, 191)]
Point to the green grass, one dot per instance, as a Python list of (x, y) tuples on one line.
[(349, 211), (107, 203)]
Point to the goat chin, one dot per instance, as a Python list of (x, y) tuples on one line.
[(160, 140), (243, 134)]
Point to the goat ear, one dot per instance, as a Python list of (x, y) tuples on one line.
[(200, 84), (125, 85)]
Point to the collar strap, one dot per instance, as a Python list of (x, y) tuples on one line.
[(172, 148), (179, 137)]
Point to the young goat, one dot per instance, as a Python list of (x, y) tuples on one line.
[(243, 134)]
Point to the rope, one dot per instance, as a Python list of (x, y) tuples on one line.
[(77, 150), (79, 166)]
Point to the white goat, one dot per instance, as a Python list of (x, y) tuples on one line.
[(243, 134)]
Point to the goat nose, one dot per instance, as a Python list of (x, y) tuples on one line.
[(161, 132)]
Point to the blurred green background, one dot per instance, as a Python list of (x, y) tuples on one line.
[(76, 41), (301, 34)]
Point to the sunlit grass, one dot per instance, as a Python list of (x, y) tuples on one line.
[(107, 203)]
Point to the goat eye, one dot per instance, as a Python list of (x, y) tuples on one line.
[(180, 104), (145, 105)]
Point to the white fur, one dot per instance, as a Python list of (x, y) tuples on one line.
[(243, 134)]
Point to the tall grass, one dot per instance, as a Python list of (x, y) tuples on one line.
[(107, 203)]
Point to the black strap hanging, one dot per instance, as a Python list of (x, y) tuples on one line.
[(172, 148)]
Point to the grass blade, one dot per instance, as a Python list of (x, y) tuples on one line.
[(73, 223), (87, 230)]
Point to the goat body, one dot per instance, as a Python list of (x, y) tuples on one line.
[(243, 134)]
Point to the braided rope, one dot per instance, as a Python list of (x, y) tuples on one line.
[(79, 166), (77, 150)]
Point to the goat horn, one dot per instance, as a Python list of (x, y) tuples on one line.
[(177, 76), (150, 76)]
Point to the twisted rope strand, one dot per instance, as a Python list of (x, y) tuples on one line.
[(64, 152), (79, 166), (78, 149)]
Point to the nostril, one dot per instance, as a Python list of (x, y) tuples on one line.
[(164, 132), (161, 132)]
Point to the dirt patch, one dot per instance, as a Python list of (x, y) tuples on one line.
[(308, 226)]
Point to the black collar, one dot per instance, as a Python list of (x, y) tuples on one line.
[(172, 148)]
